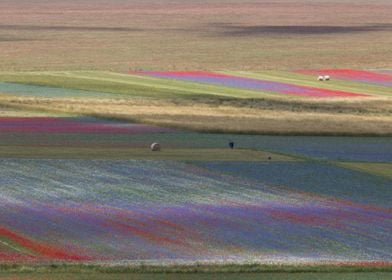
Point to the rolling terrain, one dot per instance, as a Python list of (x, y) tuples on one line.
[(272, 102), (302, 90), (90, 191)]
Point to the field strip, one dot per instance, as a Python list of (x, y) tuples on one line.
[(118, 208), (247, 83), (189, 85), (295, 81), (152, 86), (218, 118), (6, 244), (22, 89), (302, 81), (144, 84), (128, 79), (229, 91), (140, 153), (85, 77), (380, 169)]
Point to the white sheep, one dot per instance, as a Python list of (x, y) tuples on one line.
[(327, 78), (320, 78), (155, 147)]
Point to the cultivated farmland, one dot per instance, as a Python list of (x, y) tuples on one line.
[(267, 102), (273, 121), (94, 192), (84, 187)]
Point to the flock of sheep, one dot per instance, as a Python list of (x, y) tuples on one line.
[(323, 78)]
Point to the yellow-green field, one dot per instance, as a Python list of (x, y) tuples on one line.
[(382, 169)]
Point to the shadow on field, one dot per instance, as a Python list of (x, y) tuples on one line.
[(225, 29), (66, 28), (238, 30), (13, 39)]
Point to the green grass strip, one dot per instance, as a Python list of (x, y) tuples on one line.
[(139, 153), (380, 169), (8, 245), (194, 268), (131, 85)]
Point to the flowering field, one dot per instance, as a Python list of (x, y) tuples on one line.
[(248, 83), (77, 210), (94, 133), (371, 77), (323, 179), (87, 86), (234, 84), (72, 125), (193, 208), (196, 200)]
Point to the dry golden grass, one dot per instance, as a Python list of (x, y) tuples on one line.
[(6, 111), (222, 118)]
